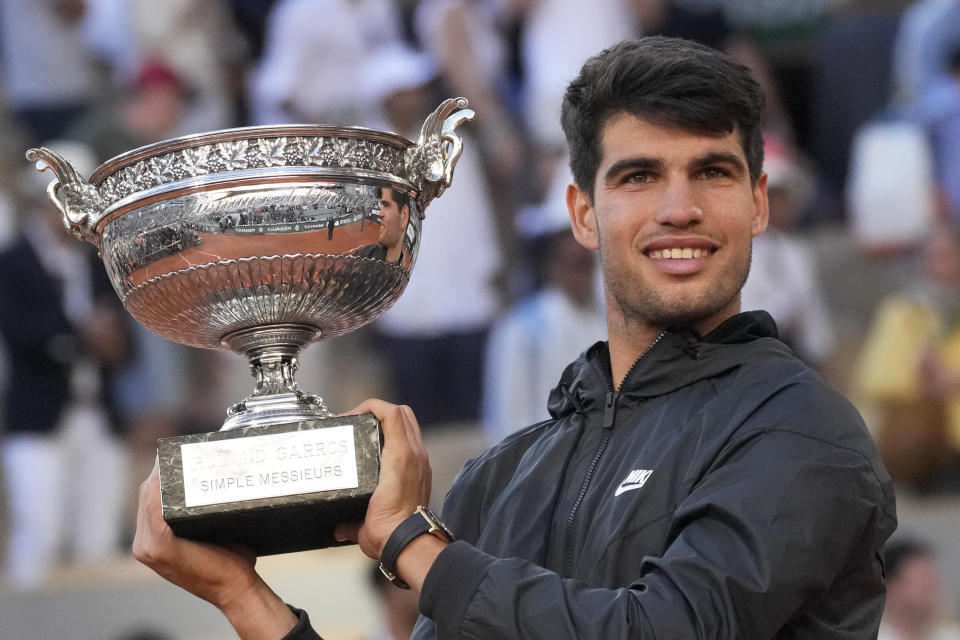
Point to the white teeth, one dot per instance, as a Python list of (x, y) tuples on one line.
[(678, 253)]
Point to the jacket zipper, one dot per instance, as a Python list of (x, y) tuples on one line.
[(609, 417)]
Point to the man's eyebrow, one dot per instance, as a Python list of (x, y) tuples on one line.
[(719, 157), (638, 162)]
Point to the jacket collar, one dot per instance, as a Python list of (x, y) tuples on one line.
[(679, 358)]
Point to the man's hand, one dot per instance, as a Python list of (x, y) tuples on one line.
[(222, 577), (404, 478)]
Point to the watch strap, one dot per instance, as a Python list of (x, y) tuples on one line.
[(418, 523)]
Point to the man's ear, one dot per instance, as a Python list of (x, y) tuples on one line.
[(583, 220), (761, 206)]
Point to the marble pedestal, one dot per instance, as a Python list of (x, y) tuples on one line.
[(271, 489)]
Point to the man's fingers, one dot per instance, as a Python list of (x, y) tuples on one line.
[(347, 531), (414, 434), (370, 405), (392, 422), (149, 517)]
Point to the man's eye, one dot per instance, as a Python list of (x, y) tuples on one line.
[(639, 177), (712, 173)]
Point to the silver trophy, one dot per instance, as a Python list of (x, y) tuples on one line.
[(262, 240)]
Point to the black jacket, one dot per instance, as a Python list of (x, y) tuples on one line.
[(42, 344), (724, 492)]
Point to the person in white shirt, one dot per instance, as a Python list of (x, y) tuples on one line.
[(532, 343), (783, 276)]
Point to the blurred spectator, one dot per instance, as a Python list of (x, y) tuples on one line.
[(783, 274), (915, 607), (315, 54), (47, 72), (938, 110), (250, 17), (463, 39), (784, 31), (196, 39), (111, 37), (928, 31), (706, 22), (558, 36), (64, 465), (153, 110), (890, 205), (850, 84), (435, 334), (908, 372), (532, 344)]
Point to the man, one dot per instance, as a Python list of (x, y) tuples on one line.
[(394, 218), (695, 480)]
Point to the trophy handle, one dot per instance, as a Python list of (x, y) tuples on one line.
[(431, 162), (78, 200)]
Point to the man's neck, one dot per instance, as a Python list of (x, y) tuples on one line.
[(393, 254), (630, 338), (627, 342)]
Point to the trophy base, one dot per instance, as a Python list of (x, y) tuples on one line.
[(270, 489)]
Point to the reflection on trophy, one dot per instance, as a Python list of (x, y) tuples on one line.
[(262, 240)]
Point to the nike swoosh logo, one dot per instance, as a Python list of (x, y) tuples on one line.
[(627, 487)]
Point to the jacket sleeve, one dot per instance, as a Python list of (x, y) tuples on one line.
[(762, 534), (303, 630)]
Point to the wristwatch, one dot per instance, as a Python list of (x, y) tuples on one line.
[(422, 521)]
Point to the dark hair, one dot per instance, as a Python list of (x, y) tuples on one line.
[(668, 82), (897, 552), (400, 197)]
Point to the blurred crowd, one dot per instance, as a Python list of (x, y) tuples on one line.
[(860, 267)]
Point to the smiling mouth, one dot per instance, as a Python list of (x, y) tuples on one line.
[(679, 253)]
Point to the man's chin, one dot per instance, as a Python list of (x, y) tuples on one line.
[(685, 315)]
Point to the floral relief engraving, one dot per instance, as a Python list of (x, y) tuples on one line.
[(169, 171), (141, 176), (295, 151), (270, 152), (343, 152), (108, 190), (234, 154), (196, 161), (223, 157)]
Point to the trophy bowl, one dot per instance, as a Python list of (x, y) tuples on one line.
[(261, 240)]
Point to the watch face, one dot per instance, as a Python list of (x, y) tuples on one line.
[(437, 527)]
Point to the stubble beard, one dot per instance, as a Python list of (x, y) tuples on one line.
[(643, 305)]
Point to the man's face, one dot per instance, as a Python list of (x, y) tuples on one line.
[(393, 220), (673, 215)]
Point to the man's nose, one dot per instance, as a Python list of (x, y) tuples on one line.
[(679, 208)]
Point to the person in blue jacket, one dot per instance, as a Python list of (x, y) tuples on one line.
[(695, 479)]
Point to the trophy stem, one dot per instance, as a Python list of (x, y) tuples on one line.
[(272, 351)]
